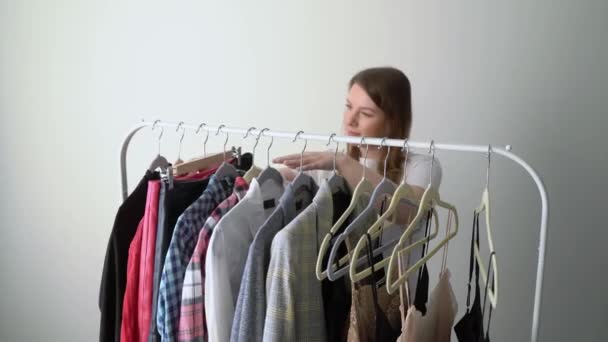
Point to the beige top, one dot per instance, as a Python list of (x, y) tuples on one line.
[(436, 325)]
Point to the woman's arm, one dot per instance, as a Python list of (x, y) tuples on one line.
[(352, 171), (349, 168)]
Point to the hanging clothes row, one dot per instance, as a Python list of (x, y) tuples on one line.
[(228, 252)]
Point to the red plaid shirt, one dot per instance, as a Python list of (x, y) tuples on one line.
[(192, 325)]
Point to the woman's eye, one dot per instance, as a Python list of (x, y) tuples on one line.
[(349, 107), (369, 115)]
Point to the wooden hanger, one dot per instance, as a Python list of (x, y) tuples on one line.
[(202, 163), (430, 199)]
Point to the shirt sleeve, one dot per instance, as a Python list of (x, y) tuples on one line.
[(279, 324), (219, 302)]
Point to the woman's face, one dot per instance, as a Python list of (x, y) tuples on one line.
[(361, 116)]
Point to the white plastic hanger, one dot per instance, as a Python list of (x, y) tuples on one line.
[(429, 200), (226, 169), (269, 173), (403, 192), (363, 187), (253, 171), (385, 187), (484, 207)]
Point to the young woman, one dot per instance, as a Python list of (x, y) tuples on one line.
[(378, 105)]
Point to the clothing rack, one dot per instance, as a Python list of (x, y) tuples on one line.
[(379, 142)]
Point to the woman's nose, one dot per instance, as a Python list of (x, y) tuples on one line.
[(351, 118)]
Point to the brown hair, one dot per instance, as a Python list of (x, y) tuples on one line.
[(390, 90)]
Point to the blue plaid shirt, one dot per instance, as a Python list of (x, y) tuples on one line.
[(180, 250)]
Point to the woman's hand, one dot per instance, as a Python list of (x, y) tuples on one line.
[(311, 160)]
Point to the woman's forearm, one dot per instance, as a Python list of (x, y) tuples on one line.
[(352, 171)]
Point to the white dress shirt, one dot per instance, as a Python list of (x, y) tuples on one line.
[(227, 255)]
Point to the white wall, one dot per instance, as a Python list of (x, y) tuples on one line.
[(76, 75)]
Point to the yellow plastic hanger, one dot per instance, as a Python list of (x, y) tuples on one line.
[(363, 187), (385, 187), (403, 192), (430, 199), (484, 207)]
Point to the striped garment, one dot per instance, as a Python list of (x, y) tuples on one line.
[(192, 325), (294, 311), (180, 251)]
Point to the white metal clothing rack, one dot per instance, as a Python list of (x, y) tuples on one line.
[(386, 142)]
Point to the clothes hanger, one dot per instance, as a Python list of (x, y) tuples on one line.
[(301, 180), (403, 192), (430, 199), (253, 171), (363, 187), (336, 182), (225, 169), (181, 139), (269, 173), (484, 207), (197, 164), (385, 188), (160, 162)]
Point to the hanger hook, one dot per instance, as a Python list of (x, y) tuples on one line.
[(160, 136), (248, 131), (366, 150), (332, 137), (225, 141), (382, 144), (488, 169), (406, 147), (432, 151), (156, 122), (269, 146), (219, 129), (297, 135), (303, 149), (181, 139), (206, 138), (198, 129)]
